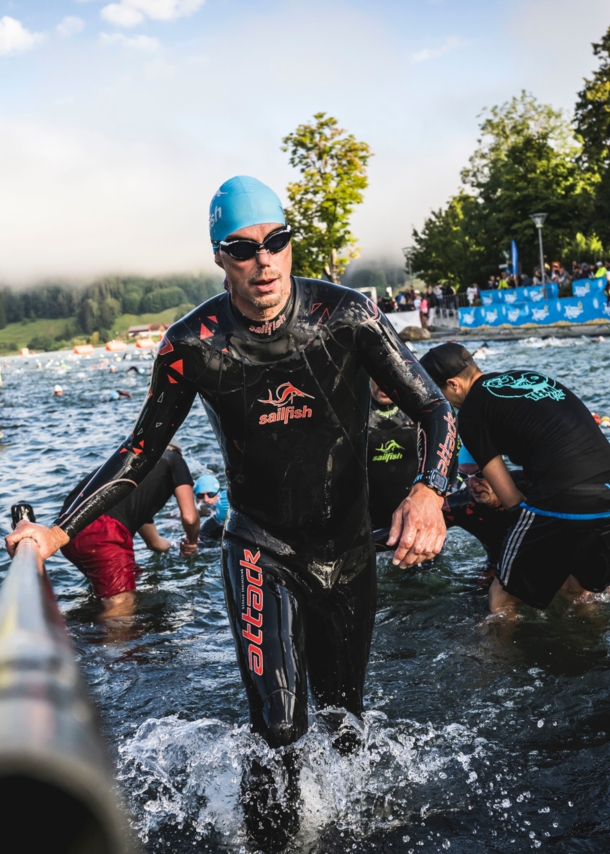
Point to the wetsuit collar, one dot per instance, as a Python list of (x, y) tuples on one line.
[(267, 329)]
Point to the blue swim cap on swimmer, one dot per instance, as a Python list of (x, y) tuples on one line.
[(206, 483), (465, 457), (242, 201)]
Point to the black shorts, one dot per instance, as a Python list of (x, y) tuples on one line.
[(540, 552)]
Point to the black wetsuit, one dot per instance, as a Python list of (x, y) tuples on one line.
[(392, 460), (289, 402)]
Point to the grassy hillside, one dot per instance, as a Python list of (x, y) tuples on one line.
[(17, 335)]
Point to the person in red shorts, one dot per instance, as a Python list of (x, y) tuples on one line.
[(103, 551)]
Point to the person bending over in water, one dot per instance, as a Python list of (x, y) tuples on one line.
[(282, 365), (103, 550), (561, 532)]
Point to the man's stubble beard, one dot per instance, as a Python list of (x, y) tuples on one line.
[(266, 301)]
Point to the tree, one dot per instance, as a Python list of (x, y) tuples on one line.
[(527, 160), (592, 123), (110, 309), (448, 249), (88, 315), (333, 167)]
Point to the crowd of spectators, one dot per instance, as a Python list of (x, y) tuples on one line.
[(434, 298), (427, 301)]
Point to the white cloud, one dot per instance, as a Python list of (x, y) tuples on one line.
[(121, 15), (14, 38), (129, 13), (69, 26), (144, 43), (433, 53)]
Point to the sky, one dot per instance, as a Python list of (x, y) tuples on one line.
[(119, 120)]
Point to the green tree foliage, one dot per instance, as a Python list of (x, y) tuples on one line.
[(88, 315), (164, 298), (527, 160), (333, 168), (109, 310), (449, 248), (592, 123)]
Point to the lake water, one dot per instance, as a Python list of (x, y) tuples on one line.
[(479, 737)]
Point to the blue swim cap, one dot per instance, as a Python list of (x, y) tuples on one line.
[(206, 483), (465, 457), (240, 202)]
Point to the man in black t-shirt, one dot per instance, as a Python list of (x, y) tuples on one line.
[(561, 534), (103, 551)]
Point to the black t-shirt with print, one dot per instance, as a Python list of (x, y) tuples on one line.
[(538, 424)]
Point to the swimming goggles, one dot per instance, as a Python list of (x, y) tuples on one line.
[(208, 494), (243, 249)]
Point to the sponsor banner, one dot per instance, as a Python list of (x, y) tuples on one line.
[(588, 287), (510, 296), (543, 312)]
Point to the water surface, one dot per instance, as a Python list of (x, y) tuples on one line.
[(478, 737)]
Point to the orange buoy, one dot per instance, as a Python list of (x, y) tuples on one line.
[(83, 349), (24, 351), (144, 343), (115, 346)]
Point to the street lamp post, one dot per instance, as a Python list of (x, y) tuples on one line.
[(408, 252), (539, 219)]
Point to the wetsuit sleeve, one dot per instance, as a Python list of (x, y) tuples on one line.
[(398, 373), (170, 397)]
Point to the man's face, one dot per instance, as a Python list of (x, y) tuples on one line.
[(259, 287), (482, 492), (208, 499)]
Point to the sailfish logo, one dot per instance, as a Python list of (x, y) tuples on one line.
[(283, 392), (283, 401), (388, 451)]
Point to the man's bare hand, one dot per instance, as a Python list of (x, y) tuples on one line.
[(187, 548), (48, 540), (418, 527)]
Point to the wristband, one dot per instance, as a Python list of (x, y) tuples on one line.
[(435, 480)]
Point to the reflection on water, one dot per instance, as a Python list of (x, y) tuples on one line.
[(479, 737)]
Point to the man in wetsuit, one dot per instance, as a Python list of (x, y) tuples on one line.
[(282, 365), (392, 457), (103, 551), (561, 533)]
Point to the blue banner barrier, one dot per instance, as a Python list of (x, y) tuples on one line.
[(510, 296), (588, 287), (542, 312)]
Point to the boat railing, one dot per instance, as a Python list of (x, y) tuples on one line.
[(56, 784)]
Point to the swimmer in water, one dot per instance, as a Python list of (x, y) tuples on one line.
[(213, 503), (561, 532), (103, 550), (58, 391), (282, 365)]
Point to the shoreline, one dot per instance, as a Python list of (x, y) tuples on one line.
[(575, 330)]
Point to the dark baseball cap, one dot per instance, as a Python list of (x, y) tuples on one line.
[(446, 361)]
